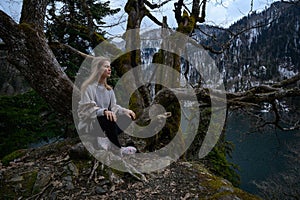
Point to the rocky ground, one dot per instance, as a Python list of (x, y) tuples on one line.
[(60, 171)]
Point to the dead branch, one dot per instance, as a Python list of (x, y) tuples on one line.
[(178, 6), (252, 97), (202, 16), (112, 25), (287, 82), (66, 47), (95, 167), (153, 6), (156, 21), (249, 97)]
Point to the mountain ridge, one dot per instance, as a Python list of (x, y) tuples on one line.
[(263, 46)]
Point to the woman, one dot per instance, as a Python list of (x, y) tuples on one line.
[(96, 90)]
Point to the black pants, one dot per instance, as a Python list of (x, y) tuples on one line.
[(114, 129)]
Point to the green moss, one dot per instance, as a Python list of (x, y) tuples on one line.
[(214, 183), (158, 57), (12, 156), (189, 27), (243, 195), (82, 164), (235, 193), (29, 181), (15, 189), (26, 27), (99, 38), (221, 195), (30, 30)]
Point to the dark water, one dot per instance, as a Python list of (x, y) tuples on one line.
[(260, 155), (45, 142)]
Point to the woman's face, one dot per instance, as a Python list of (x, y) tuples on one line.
[(106, 69)]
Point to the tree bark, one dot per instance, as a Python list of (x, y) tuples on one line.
[(33, 13)]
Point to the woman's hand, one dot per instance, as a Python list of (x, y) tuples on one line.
[(130, 114), (110, 115)]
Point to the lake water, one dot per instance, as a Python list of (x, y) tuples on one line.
[(45, 142), (259, 155)]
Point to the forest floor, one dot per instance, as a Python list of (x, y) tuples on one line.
[(51, 172)]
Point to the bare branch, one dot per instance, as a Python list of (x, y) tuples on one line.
[(202, 16), (156, 21), (196, 8), (250, 97), (153, 6), (67, 47), (277, 122), (178, 6), (206, 47), (287, 82), (251, 6), (233, 35), (295, 2), (112, 25)]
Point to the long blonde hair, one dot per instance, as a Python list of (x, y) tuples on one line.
[(96, 71)]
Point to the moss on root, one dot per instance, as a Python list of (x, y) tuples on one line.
[(12, 156)]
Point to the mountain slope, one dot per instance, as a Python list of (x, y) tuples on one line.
[(263, 46)]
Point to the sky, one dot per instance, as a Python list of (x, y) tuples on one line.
[(219, 12)]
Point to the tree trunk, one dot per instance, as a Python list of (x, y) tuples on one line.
[(136, 11), (29, 52)]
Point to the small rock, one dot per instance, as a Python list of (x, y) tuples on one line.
[(70, 186), (67, 178), (16, 178), (229, 197), (78, 151), (29, 164), (68, 183), (113, 188), (104, 182), (227, 189), (100, 190), (72, 167), (53, 196), (43, 178)]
